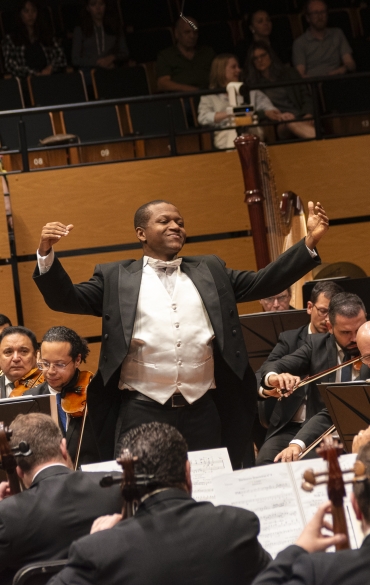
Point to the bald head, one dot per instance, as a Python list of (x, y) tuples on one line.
[(363, 339)]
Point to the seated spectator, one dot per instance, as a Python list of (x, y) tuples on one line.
[(260, 27), (295, 565), (321, 50), (185, 66), (172, 538), (4, 322), (31, 49), (214, 109), (278, 302), (290, 102), (57, 505), (98, 42)]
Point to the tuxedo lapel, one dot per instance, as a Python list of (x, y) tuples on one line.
[(129, 281), (202, 278)]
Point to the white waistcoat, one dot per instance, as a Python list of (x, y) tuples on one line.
[(171, 347)]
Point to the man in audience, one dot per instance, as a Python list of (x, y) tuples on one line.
[(300, 417), (296, 566), (172, 343), (18, 354), (61, 353), (172, 538), (185, 66), (289, 341), (4, 322), (279, 302), (58, 504), (321, 50)]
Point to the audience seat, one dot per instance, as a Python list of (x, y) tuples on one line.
[(346, 96), (144, 45), (145, 14), (38, 573), (120, 82), (217, 35), (60, 88)]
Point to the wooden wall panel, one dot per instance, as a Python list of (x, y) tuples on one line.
[(7, 303), (4, 240)]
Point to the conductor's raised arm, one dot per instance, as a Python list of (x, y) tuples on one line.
[(51, 234)]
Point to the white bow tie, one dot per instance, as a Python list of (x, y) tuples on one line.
[(163, 263)]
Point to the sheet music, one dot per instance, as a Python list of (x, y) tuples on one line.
[(205, 465), (269, 492)]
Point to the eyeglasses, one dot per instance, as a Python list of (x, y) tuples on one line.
[(47, 365), (321, 312), (279, 299), (261, 56)]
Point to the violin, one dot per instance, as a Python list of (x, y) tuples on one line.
[(74, 400), (8, 456), (130, 483), (329, 450), (32, 379)]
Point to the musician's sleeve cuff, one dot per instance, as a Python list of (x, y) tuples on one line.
[(312, 253), (260, 392), (264, 381), (301, 444), (45, 262)]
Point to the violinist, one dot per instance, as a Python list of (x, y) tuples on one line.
[(301, 417), (172, 539), (296, 566), (18, 356), (58, 504), (61, 353)]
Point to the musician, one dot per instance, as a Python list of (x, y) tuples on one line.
[(18, 354), (280, 302), (4, 322), (178, 309), (297, 566), (288, 342), (172, 538), (57, 506), (61, 353), (290, 424)]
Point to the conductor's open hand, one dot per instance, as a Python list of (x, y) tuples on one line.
[(317, 224), (51, 234)]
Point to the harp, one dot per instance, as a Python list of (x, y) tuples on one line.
[(277, 223)]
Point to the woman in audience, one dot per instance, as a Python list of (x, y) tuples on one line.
[(31, 49), (214, 109), (291, 102), (98, 42)]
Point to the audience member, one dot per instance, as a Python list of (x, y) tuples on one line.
[(61, 353), (296, 566), (260, 28), (57, 506), (172, 538), (321, 50), (292, 102), (18, 355), (279, 302), (31, 49), (301, 417), (288, 342), (215, 110), (99, 41), (4, 322), (185, 66)]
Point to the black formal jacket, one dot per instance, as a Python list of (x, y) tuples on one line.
[(295, 566), (112, 293), (171, 540), (316, 355), (89, 452), (40, 523)]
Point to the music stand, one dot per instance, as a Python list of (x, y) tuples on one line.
[(261, 331), (349, 407)]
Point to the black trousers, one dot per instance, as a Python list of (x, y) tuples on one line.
[(199, 423)]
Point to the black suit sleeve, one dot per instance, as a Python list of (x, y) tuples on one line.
[(5, 547), (315, 427), (292, 566), (297, 363), (80, 569)]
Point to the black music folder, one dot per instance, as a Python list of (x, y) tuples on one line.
[(349, 407), (261, 331), (11, 407)]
